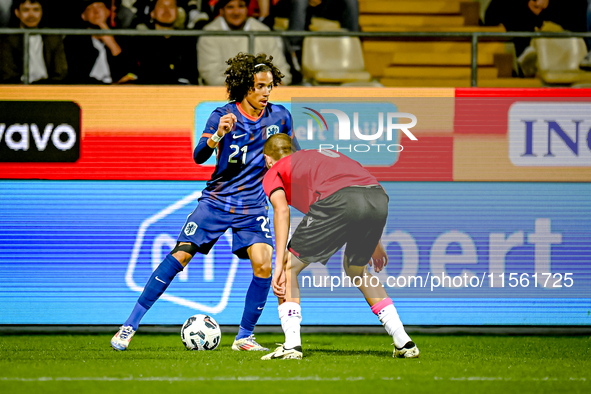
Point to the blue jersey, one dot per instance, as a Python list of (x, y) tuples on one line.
[(236, 184)]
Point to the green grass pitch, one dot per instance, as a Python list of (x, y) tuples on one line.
[(340, 363)]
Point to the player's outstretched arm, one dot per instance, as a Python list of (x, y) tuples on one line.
[(281, 221), (379, 258)]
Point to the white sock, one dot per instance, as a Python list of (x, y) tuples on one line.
[(290, 314), (391, 321)]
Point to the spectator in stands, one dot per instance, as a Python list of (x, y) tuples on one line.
[(126, 13), (527, 15), (300, 12), (214, 51), (65, 14), (199, 13), (5, 14), (192, 14), (166, 60), (97, 59), (47, 60), (586, 62)]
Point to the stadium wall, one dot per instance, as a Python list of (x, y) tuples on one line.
[(497, 183)]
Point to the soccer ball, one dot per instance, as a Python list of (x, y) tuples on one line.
[(201, 332)]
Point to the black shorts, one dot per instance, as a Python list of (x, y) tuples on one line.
[(355, 216)]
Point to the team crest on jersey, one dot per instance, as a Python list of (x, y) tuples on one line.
[(190, 228), (273, 129)]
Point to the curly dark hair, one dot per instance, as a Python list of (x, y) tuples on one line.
[(241, 70)]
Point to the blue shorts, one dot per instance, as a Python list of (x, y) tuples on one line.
[(207, 223)]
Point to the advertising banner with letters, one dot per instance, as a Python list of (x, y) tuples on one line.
[(489, 217), (39, 131), (540, 135)]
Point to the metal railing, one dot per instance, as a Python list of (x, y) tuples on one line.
[(473, 36)]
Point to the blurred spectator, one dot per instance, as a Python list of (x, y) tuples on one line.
[(5, 7), (214, 51), (47, 60), (127, 13), (199, 14), (97, 59), (527, 15), (300, 12), (166, 60), (586, 62), (192, 14), (66, 13)]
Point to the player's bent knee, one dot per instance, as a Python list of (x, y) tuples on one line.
[(184, 252), (261, 257), (262, 271), (182, 257), (186, 247), (262, 267), (353, 271)]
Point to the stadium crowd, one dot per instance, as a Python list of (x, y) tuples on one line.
[(530, 15), (170, 60), (187, 60)]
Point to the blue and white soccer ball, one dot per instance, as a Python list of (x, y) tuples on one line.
[(201, 332)]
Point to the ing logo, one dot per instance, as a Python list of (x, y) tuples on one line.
[(550, 134)]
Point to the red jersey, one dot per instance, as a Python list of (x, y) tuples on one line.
[(308, 176)]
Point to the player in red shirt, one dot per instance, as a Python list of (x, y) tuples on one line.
[(343, 203)]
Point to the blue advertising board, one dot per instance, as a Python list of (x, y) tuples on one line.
[(79, 252)]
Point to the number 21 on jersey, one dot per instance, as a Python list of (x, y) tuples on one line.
[(236, 150)]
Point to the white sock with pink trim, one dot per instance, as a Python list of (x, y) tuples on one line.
[(388, 315), (290, 314)]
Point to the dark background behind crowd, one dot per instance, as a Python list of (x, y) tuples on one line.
[(105, 59), (153, 60)]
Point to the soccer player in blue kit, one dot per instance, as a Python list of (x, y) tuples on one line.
[(233, 198)]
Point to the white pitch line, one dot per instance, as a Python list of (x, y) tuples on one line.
[(177, 379), (260, 378)]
